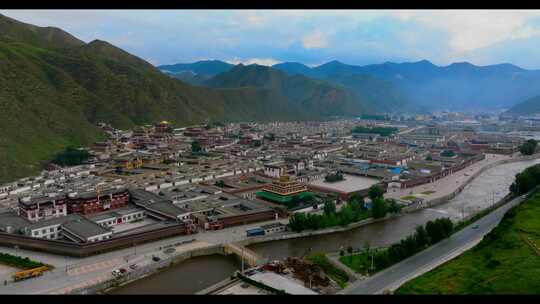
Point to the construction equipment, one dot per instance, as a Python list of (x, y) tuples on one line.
[(30, 273)]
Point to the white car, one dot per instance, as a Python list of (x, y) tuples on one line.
[(116, 272)]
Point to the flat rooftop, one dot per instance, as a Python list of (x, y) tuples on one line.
[(281, 283), (351, 183)]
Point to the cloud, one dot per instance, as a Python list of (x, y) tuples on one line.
[(315, 39), (259, 61), (474, 29), (309, 36)]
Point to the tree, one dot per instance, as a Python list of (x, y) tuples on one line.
[(350, 251), (375, 191), (346, 216), (329, 208), (298, 221), (71, 156), (196, 146), (528, 147), (379, 208), (393, 206), (448, 153), (421, 236), (429, 157), (439, 229), (220, 183)]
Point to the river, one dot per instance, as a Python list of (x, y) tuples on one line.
[(199, 273)]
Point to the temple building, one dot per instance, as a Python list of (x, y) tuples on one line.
[(284, 190), (45, 207), (97, 201)]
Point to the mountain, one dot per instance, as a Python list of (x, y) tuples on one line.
[(457, 86), (197, 72), (50, 37), (304, 95), (381, 92), (54, 89), (530, 106), (295, 68)]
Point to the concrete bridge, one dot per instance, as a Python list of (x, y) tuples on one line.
[(251, 258)]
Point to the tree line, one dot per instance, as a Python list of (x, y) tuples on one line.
[(383, 131), (354, 210), (71, 156), (526, 180), (424, 236)]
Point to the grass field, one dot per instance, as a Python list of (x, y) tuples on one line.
[(360, 263), (504, 262), (408, 197)]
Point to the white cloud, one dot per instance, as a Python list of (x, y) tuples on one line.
[(259, 61), (473, 29), (315, 39)]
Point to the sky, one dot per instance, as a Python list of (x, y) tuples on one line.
[(312, 37)]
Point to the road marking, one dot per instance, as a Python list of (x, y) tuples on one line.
[(93, 267)]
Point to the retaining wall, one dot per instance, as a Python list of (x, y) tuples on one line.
[(148, 270)]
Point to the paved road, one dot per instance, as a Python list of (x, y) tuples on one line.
[(397, 275)]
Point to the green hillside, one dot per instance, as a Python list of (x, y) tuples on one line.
[(315, 98), (527, 107), (504, 262), (55, 88)]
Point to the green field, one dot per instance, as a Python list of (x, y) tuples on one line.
[(408, 197), (502, 263)]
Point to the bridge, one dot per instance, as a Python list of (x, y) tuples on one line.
[(251, 258)]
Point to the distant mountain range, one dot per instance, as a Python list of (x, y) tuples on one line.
[(356, 93), (414, 85)]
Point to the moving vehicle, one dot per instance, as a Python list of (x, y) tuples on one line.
[(30, 273), (254, 232), (475, 227), (133, 266), (156, 259), (119, 272)]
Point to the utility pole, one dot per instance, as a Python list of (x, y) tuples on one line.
[(242, 259)]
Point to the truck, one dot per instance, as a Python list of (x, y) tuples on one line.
[(254, 232), (30, 273)]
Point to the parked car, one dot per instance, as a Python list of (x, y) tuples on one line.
[(123, 270), (116, 272), (133, 266), (156, 259)]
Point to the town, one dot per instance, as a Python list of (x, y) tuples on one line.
[(158, 181)]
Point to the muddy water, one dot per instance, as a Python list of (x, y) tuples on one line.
[(187, 277)]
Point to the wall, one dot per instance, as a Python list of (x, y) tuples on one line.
[(83, 250), (150, 269)]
